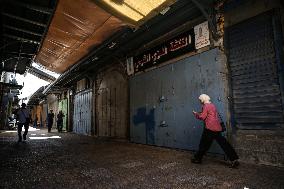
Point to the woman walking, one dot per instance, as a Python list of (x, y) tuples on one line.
[(212, 131)]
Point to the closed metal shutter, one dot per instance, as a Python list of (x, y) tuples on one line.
[(254, 74), (82, 113)]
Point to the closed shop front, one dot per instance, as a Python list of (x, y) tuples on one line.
[(112, 106), (254, 47), (83, 112), (255, 77), (162, 100)]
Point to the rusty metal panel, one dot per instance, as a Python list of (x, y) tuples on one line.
[(162, 100), (75, 30), (112, 106), (82, 113)]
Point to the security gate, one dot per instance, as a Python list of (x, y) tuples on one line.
[(254, 73), (162, 100), (82, 112)]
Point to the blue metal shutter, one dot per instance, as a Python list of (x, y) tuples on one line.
[(254, 74), (83, 112)]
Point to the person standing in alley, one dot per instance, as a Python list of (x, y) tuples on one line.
[(60, 116), (50, 117), (212, 131), (23, 117), (35, 121)]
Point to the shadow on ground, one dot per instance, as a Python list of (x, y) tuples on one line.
[(66, 160)]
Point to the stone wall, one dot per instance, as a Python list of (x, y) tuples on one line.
[(261, 146)]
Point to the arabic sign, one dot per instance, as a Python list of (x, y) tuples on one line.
[(201, 32), (170, 49)]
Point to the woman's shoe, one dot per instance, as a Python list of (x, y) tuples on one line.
[(234, 164)]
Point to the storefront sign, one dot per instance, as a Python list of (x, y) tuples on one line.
[(170, 49), (201, 32)]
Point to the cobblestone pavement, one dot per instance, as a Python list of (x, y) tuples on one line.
[(66, 160)]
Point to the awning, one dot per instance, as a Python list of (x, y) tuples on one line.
[(76, 29)]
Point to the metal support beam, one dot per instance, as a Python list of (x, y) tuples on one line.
[(15, 57), (31, 7), (24, 19), (41, 74), (22, 30), (18, 53), (21, 39)]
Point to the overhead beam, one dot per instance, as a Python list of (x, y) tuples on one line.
[(15, 57), (21, 38), (24, 19), (41, 74), (18, 53), (22, 30), (31, 7)]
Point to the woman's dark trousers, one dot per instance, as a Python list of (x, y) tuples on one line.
[(20, 125), (49, 126), (206, 141)]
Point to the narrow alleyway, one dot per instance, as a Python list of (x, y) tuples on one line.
[(65, 160)]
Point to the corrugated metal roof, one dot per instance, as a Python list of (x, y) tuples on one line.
[(23, 26), (75, 30)]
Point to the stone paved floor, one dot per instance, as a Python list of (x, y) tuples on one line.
[(67, 160)]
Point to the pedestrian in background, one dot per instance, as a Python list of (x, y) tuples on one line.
[(23, 117), (50, 117), (60, 116), (212, 131), (35, 121)]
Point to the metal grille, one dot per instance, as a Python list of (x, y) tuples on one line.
[(254, 73)]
